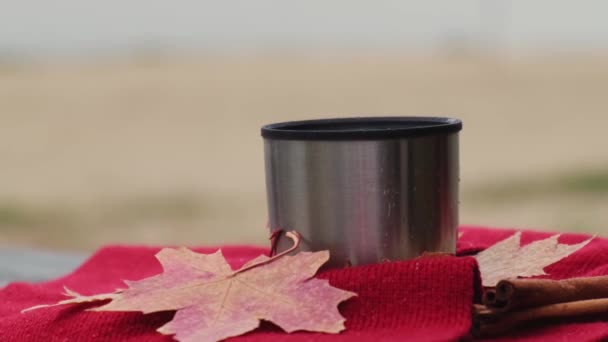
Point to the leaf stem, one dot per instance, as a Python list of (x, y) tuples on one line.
[(274, 241), (293, 235)]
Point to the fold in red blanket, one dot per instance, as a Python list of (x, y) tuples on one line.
[(426, 299)]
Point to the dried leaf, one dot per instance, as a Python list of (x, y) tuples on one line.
[(76, 298), (507, 259), (213, 302)]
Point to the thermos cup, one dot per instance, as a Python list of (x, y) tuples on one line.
[(367, 189)]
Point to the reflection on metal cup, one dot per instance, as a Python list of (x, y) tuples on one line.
[(366, 189)]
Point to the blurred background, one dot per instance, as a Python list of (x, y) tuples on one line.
[(138, 121)]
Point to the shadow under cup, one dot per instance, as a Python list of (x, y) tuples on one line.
[(366, 189)]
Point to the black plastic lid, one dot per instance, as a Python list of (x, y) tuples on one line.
[(363, 128)]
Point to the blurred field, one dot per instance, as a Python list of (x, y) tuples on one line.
[(168, 150)]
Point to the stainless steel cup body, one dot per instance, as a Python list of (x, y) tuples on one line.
[(365, 197)]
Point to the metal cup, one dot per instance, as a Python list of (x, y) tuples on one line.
[(366, 189)]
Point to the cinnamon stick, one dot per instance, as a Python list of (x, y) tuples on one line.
[(490, 322), (490, 299), (482, 312), (516, 294)]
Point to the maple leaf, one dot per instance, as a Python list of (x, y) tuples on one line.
[(76, 298), (508, 259), (214, 302)]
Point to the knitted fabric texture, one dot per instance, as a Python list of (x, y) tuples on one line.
[(426, 299)]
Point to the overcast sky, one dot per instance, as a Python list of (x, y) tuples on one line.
[(80, 26)]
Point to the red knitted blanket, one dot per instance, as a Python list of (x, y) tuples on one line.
[(426, 299)]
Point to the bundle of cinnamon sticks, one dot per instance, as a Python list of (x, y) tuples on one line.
[(515, 302)]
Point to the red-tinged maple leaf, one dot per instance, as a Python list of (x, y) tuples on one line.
[(508, 259), (214, 302)]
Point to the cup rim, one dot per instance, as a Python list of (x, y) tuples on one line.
[(362, 128)]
